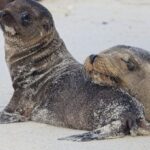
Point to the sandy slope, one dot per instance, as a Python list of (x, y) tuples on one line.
[(86, 26)]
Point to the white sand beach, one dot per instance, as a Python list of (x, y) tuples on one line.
[(87, 26)]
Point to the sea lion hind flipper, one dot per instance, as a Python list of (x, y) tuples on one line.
[(6, 117), (109, 131), (116, 129)]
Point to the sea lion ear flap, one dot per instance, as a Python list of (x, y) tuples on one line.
[(46, 26)]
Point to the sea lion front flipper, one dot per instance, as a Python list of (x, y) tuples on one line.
[(6, 118), (109, 131)]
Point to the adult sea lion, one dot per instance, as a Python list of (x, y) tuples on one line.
[(124, 66), (50, 85)]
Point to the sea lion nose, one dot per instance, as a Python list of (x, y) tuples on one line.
[(92, 58)]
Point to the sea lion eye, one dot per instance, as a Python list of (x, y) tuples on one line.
[(130, 64), (25, 18)]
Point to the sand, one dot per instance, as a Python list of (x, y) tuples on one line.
[(87, 26)]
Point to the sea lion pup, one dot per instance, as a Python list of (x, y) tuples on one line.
[(126, 67), (50, 85)]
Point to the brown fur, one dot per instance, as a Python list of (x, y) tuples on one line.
[(126, 67)]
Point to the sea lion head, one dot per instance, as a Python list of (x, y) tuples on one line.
[(125, 67), (120, 66), (29, 32), (26, 21)]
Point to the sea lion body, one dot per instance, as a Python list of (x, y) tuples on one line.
[(126, 67), (50, 86)]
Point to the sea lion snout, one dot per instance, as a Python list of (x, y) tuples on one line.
[(92, 58)]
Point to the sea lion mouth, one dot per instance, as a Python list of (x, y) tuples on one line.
[(9, 30), (103, 78)]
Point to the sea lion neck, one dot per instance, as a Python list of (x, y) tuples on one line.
[(29, 65)]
